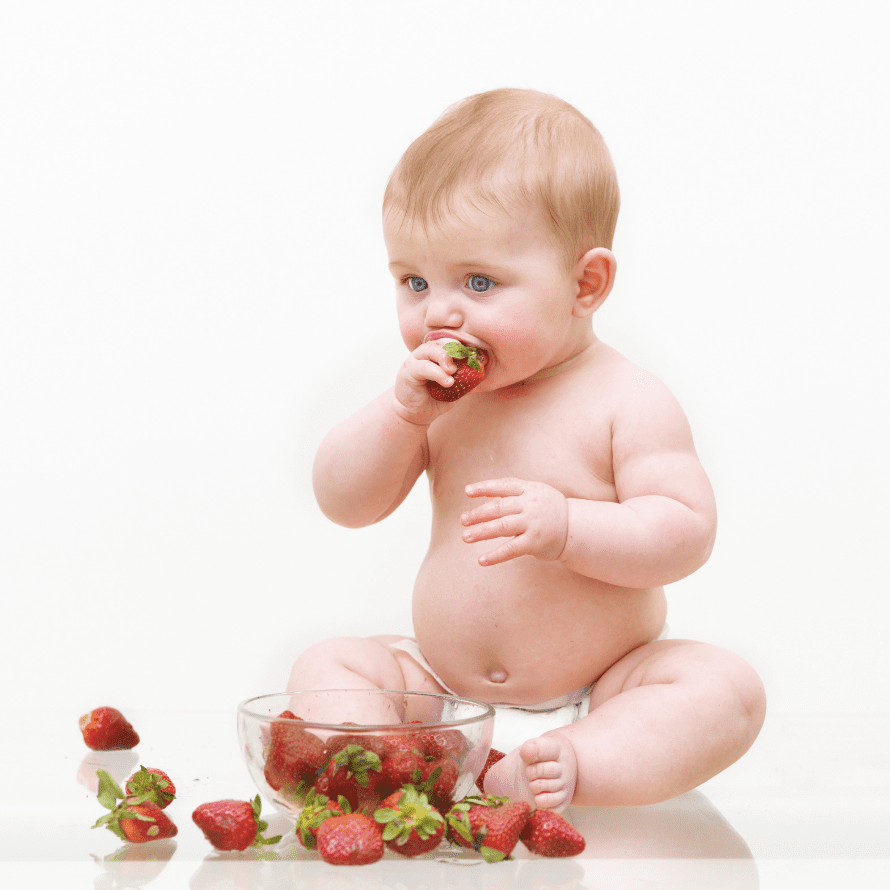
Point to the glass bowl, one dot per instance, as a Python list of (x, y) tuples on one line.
[(293, 749)]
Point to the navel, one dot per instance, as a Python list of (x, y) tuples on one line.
[(498, 675)]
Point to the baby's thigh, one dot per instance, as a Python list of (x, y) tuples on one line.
[(699, 670)]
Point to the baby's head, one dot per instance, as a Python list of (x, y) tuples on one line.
[(511, 151)]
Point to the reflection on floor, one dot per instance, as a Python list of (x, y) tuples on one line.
[(683, 843)]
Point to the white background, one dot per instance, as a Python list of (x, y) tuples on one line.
[(191, 264)]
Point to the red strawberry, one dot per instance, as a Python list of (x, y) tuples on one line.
[(233, 824), (411, 824), (400, 743), (315, 810), (437, 743), (472, 366), (356, 774), (405, 768), (488, 824), (106, 729), (353, 839), (135, 819), (294, 757), (549, 834), (373, 743), (153, 783), (439, 778), (493, 757), (145, 822)]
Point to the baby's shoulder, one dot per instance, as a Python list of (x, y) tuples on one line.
[(633, 391), (625, 379)]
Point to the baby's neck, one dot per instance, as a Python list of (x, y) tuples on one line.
[(585, 352)]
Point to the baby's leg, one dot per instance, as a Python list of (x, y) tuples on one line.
[(358, 663), (663, 719)]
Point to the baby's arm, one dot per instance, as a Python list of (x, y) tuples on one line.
[(663, 526), (365, 466), (661, 529)]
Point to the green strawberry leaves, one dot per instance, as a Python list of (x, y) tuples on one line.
[(261, 826), (358, 762), (461, 352), (109, 791), (414, 814), (109, 794)]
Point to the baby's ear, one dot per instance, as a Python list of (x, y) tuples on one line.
[(595, 273)]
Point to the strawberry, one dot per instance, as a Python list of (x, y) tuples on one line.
[(356, 774), (106, 729), (549, 834), (438, 780), (294, 757), (336, 743), (233, 824), (154, 783), (472, 366), (493, 757), (402, 768), (411, 825), (436, 743), (135, 819), (490, 825), (315, 810), (353, 839), (400, 743)]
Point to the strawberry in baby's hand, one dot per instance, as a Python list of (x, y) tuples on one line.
[(233, 824), (491, 825), (353, 839), (411, 825), (153, 783), (106, 729), (549, 834), (135, 819), (472, 366)]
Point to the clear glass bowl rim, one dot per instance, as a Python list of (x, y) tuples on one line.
[(245, 710)]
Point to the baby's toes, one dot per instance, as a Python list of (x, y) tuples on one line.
[(544, 749), (544, 771), (552, 800)]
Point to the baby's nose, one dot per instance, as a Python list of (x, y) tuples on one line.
[(443, 311)]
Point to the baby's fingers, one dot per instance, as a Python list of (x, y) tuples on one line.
[(507, 551), (496, 488), (502, 527), (491, 510)]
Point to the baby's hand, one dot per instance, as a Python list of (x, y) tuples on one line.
[(428, 362), (533, 515)]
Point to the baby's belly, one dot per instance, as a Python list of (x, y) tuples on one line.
[(525, 631)]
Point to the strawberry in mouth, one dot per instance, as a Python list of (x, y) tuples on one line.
[(472, 366)]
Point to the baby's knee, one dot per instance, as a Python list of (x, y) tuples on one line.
[(338, 662), (749, 689), (739, 686)]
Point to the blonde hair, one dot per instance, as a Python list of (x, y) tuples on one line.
[(509, 149)]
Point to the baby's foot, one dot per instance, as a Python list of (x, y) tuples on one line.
[(543, 772)]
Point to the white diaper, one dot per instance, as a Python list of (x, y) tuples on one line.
[(515, 724)]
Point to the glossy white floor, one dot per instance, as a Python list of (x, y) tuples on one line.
[(808, 807)]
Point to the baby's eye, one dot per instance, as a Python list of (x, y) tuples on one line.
[(416, 283), (480, 283)]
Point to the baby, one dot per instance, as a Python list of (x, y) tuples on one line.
[(566, 490)]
